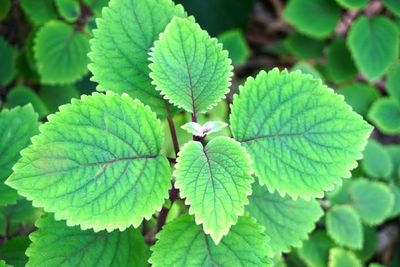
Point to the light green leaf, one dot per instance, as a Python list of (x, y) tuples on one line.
[(385, 114), (4, 264), (344, 226), (56, 244), (60, 53), (246, 245), (393, 6), (21, 95), (301, 136), (353, 4), (236, 44), (7, 62), (17, 126), (55, 96), (393, 82), (376, 162), (13, 251), (68, 9), (317, 18), (315, 251), (359, 96), (303, 47), (373, 201), (287, 222), (39, 11), (189, 67), (209, 127), (376, 265), (215, 180), (340, 66), (339, 257), (96, 163), (369, 245), (119, 50), (374, 45)]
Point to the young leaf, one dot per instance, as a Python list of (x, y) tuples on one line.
[(236, 44), (385, 114), (209, 127), (39, 11), (393, 82), (340, 66), (377, 162), (215, 180), (68, 9), (303, 47), (353, 4), (17, 126), (7, 63), (287, 222), (301, 136), (246, 245), (21, 96), (106, 170), (61, 53), (374, 45), (70, 246), (339, 257), (315, 250), (359, 96), (317, 18), (373, 201), (119, 50), (344, 226), (189, 67), (393, 6)]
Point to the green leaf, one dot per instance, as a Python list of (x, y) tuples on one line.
[(60, 53), (236, 44), (68, 9), (13, 251), (96, 5), (55, 96), (315, 251), (303, 47), (353, 4), (393, 82), (359, 96), (287, 222), (394, 152), (377, 162), (385, 114), (316, 18), (17, 126), (393, 6), (119, 50), (339, 257), (306, 68), (344, 226), (246, 245), (372, 201), (396, 206), (340, 66), (3, 264), (189, 68), (106, 170), (374, 45), (70, 246), (341, 194), (39, 11), (376, 265), (215, 180), (5, 6), (369, 245), (7, 62), (302, 137), (21, 95), (209, 127)]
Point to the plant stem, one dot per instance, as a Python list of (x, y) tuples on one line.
[(162, 217), (194, 119), (172, 130)]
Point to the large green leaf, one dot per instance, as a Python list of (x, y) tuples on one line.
[(287, 222), (359, 96), (246, 245), (7, 62), (339, 257), (377, 162), (374, 45), (61, 53), (301, 136), (189, 68), (39, 11), (17, 126), (215, 180), (56, 244), (317, 18), (120, 47), (385, 114), (344, 226), (96, 163)]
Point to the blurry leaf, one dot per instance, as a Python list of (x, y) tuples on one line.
[(339, 257), (55, 96), (217, 16), (303, 47), (39, 11), (61, 53), (68, 9), (236, 44), (373, 201), (317, 18), (359, 96), (394, 152), (385, 114), (369, 245), (393, 82), (393, 6), (353, 4), (96, 5), (315, 251), (374, 45), (344, 226), (21, 95), (340, 66), (340, 195), (8, 58), (377, 162), (306, 68), (5, 6), (13, 251), (396, 207)]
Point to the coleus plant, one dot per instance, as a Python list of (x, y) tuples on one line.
[(97, 168)]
